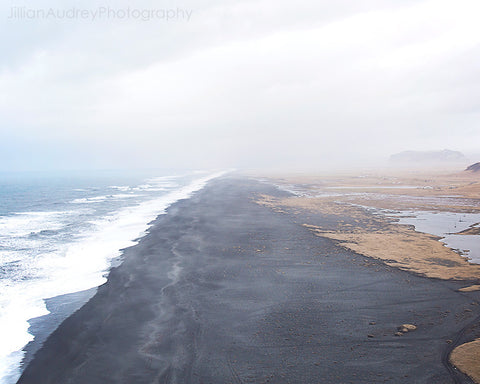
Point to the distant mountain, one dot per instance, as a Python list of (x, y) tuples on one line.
[(428, 157), (474, 167)]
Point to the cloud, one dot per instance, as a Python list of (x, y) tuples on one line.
[(252, 84)]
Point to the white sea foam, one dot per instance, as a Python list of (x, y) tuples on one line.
[(76, 266), (156, 184), (160, 183), (123, 188), (22, 224), (98, 199)]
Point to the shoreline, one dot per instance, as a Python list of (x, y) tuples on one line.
[(256, 296), (60, 308), (92, 226)]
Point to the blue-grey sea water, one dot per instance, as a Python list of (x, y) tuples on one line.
[(59, 233)]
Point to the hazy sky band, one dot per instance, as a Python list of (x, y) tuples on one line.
[(241, 84)]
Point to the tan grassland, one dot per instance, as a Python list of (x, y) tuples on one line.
[(466, 357), (456, 192), (377, 236), (471, 288)]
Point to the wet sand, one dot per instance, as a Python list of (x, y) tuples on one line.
[(225, 290)]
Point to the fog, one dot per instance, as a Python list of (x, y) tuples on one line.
[(245, 84)]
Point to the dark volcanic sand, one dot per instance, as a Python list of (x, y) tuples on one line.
[(223, 290)]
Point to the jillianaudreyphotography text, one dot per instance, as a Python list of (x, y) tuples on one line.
[(100, 13)]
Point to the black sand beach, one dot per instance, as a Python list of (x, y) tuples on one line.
[(224, 290)]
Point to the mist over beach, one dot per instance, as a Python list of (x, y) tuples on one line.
[(275, 85), (239, 191)]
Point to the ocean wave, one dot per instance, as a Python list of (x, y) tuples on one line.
[(123, 188), (24, 223), (155, 184), (99, 199), (71, 267)]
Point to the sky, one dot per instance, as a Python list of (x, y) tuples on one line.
[(243, 84)]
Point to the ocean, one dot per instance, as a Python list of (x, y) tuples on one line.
[(60, 234)]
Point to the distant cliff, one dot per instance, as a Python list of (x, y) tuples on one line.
[(428, 157), (474, 168)]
